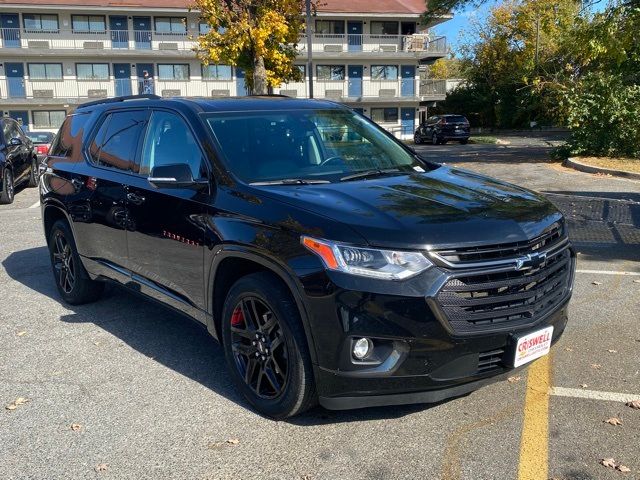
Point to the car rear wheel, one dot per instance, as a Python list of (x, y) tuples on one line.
[(464, 142), (33, 174), (8, 191), (265, 347), (72, 280)]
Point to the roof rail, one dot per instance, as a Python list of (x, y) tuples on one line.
[(120, 99)]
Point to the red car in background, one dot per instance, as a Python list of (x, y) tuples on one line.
[(41, 142)]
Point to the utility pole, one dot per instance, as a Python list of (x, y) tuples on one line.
[(309, 48), (537, 39)]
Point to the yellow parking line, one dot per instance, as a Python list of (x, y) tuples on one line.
[(534, 445)]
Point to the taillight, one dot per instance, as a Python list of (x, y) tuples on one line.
[(42, 149)]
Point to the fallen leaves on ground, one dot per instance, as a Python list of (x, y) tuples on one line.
[(75, 427), (230, 442), (613, 421), (596, 366), (21, 333), (101, 467), (584, 385), (611, 350), (305, 477), (635, 404), (568, 349), (513, 379), (636, 281), (596, 283), (16, 403), (623, 469), (608, 462)]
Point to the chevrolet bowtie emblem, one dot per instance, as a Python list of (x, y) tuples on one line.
[(530, 260)]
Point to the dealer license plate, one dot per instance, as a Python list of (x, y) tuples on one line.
[(532, 346)]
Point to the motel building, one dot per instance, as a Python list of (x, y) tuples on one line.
[(56, 54)]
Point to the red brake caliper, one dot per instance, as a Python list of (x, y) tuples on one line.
[(237, 318)]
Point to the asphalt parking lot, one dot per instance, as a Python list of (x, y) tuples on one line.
[(148, 397)]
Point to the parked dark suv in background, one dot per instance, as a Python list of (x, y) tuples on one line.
[(442, 128), (332, 263), (18, 162)]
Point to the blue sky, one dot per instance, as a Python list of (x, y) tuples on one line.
[(454, 27)]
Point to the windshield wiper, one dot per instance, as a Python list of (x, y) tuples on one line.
[(290, 181), (369, 173)]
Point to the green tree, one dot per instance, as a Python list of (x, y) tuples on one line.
[(258, 36)]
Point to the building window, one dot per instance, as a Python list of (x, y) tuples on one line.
[(216, 72), (330, 72), (330, 27), (88, 23), (173, 71), (384, 72), (387, 115), (92, 71), (384, 28), (45, 71), (40, 23), (171, 25), (48, 118)]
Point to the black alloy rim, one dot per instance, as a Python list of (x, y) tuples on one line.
[(259, 347), (34, 170), (9, 184), (63, 263)]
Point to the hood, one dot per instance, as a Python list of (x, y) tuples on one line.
[(444, 207)]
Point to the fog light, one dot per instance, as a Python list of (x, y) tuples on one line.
[(362, 347)]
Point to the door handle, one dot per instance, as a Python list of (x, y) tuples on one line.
[(135, 198)]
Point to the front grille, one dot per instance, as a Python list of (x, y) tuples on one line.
[(462, 257), (479, 301), (488, 361)]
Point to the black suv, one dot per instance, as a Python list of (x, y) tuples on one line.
[(332, 263), (441, 128), (18, 162)]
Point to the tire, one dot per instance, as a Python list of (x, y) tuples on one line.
[(434, 139), (258, 357), (73, 282), (464, 142), (33, 174), (8, 188), (417, 139)]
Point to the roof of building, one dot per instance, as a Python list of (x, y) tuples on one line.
[(327, 6)]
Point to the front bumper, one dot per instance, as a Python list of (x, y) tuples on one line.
[(421, 359)]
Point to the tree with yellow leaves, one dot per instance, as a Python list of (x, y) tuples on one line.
[(259, 36)]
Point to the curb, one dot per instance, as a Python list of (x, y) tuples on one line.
[(583, 167)]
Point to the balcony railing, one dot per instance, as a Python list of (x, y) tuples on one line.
[(339, 90), (378, 44), (431, 88), (61, 39)]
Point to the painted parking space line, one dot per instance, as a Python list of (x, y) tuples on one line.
[(35, 205), (534, 444), (593, 394), (609, 272)]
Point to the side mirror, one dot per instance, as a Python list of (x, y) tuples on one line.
[(177, 175), (15, 142)]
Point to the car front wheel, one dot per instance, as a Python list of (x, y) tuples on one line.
[(417, 139), (265, 347), (6, 196), (434, 139)]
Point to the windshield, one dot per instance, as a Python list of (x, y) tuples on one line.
[(40, 137), (311, 145)]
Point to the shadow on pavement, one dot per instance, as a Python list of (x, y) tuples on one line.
[(168, 337), (602, 225)]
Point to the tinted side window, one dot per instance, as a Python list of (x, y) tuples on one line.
[(68, 141), (169, 141), (116, 142)]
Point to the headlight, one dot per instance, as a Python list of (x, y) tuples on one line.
[(368, 262)]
